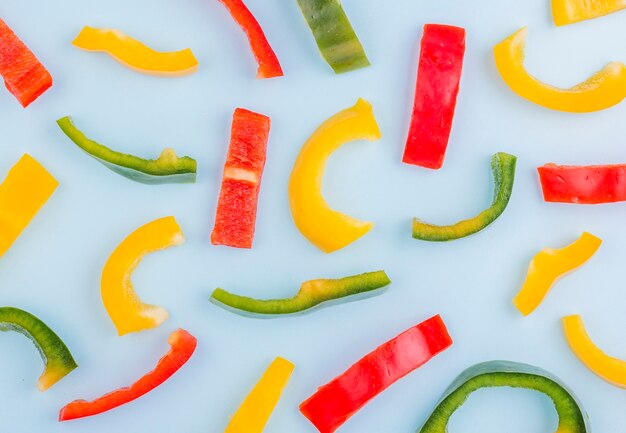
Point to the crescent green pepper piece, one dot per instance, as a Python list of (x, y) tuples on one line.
[(503, 168), (572, 418), (167, 168), (334, 35), (312, 293), (56, 356)]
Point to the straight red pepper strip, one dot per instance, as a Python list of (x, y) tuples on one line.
[(182, 343), (341, 398), (591, 184), (269, 66), (438, 78)]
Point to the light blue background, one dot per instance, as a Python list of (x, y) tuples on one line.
[(53, 270)]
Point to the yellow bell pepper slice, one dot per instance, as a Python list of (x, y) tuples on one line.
[(572, 11), (326, 228), (602, 90), (611, 369), (550, 265), (125, 308), (256, 409), (25, 190), (134, 54)]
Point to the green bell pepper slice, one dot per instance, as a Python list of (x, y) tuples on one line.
[(314, 293), (167, 168), (503, 168)]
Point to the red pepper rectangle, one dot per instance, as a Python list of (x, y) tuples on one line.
[(438, 78), (591, 184), (341, 398)]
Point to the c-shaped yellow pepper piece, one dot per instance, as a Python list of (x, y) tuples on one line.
[(611, 369), (551, 264), (256, 409), (573, 11), (134, 54), (125, 308), (326, 228), (602, 90)]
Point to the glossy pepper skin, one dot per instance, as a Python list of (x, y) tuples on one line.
[(182, 346), (503, 169), (572, 11), (57, 358), (334, 35), (592, 184), (550, 265), (341, 398), (602, 90), (611, 369), (269, 66), (572, 418), (438, 79)]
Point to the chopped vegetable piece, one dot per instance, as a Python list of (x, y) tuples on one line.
[(503, 168), (611, 369), (334, 35), (592, 184), (56, 356), (27, 187), (167, 168), (602, 90), (135, 55), (236, 210), (24, 76), (572, 418), (269, 66), (314, 293), (438, 78), (258, 406), (125, 308), (328, 229), (573, 11), (182, 345), (550, 265), (338, 400)]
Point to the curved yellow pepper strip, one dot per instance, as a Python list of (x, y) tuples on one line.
[(602, 90), (125, 308), (134, 54), (326, 228), (256, 409), (25, 190), (572, 11), (551, 264), (611, 369)]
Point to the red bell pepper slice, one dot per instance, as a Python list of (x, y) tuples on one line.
[(236, 210), (24, 76), (269, 66), (438, 78), (591, 184), (182, 343), (341, 398)]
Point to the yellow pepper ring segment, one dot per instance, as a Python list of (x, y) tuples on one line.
[(551, 264), (326, 228), (602, 90), (611, 369), (125, 308), (572, 11), (134, 54)]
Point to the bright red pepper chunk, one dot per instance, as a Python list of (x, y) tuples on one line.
[(182, 343), (24, 76), (591, 184), (438, 78), (341, 398)]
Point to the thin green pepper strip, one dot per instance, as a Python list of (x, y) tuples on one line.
[(312, 294), (572, 418), (56, 356), (334, 35), (503, 168), (168, 168)]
